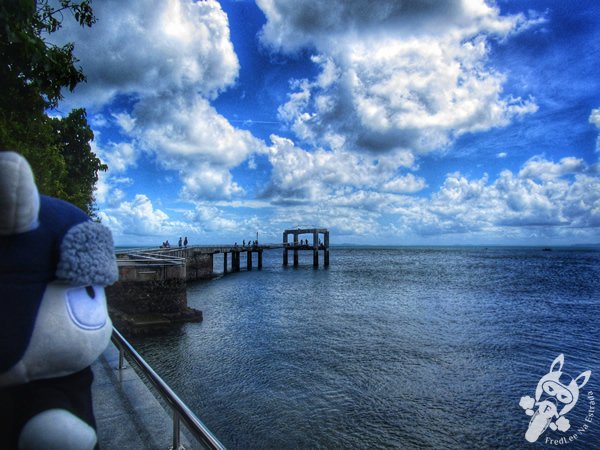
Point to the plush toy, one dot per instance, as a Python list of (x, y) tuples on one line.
[(54, 264)]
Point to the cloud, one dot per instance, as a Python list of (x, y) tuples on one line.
[(186, 134), (212, 219), (292, 25), (98, 121), (540, 168), (544, 198), (138, 48), (118, 156), (153, 67), (404, 75), (107, 192), (595, 119), (558, 197), (340, 220), (124, 121), (299, 175), (139, 218), (405, 184)]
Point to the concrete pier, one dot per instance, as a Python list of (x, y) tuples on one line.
[(315, 246), (199, 260), (152, 289)]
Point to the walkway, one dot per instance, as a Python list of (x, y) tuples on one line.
[(128, 415)]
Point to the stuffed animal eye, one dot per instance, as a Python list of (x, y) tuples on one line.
[(87, 307), (90, 291)]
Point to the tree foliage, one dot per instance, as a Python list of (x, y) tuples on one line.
[(33, 73)]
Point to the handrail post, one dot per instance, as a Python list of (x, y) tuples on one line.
[(121, 358), (181, 411), (176, 429)]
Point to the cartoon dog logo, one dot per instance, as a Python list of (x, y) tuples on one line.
[(555, 395)]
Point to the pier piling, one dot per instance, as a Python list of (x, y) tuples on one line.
[(295, 250)]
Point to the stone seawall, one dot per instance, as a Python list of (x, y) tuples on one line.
[(199, 266), (150, 296)]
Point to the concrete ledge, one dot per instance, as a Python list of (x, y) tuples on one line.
[(142, 324)]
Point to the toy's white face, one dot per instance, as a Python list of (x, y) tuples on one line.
[(71, 330)]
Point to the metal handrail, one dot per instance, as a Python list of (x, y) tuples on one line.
[(181, 412), (154, 257)]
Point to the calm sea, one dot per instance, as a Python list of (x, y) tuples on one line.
[(389, 348)]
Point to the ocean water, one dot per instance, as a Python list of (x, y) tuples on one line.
[(389, 348)]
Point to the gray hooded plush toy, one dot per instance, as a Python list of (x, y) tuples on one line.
[(54, 265)]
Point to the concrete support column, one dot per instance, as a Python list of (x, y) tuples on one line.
[(235, 261), (326, 252), (260, 260), (315, 249), (285, 249), (225, 262), (295, 249), (249, 259)]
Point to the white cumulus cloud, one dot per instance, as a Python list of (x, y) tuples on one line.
[(139, 217), (186, 134), (299, 175), (557, 198), (595, 119), (169, 59), (544, 199), (156, 45), (402, 75), (408, 183)]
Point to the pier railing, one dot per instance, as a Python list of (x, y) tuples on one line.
[(180, 411)]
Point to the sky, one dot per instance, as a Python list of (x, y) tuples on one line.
[(392, 122)]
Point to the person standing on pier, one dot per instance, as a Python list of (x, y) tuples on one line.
[(185, 242), (180, 241)]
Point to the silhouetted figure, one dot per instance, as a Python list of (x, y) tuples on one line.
[(185, 242), (180, 241)]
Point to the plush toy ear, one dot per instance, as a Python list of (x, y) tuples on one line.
[(19, 197), (560, 360), (87, 256)]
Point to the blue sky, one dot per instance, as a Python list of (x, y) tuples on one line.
[(389, 122)]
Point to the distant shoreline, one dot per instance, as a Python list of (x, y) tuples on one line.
[(427, 246)]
